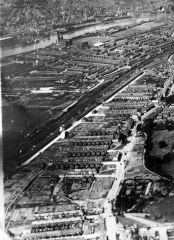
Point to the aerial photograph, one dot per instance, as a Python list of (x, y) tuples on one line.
[(87, 105)]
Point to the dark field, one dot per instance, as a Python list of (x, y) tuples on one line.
[(15, 122)]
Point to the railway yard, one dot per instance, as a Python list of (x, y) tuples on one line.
[(86, 176)]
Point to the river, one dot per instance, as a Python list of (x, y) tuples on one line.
[(18, 48)]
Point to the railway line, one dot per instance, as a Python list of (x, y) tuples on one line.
[(84, 105)]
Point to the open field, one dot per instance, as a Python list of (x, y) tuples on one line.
[(169, 168), (101, 187), (164, 135), (162, 210), (168, 137)]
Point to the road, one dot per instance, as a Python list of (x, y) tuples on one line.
[(59, 136), (88, 100), (109, 217), (111, 225), (84, 105)]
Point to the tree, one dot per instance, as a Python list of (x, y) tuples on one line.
[(139, 127), (167, 157), (85, 45), (162, 144), (122, 138), (170, 127), (149, 144)]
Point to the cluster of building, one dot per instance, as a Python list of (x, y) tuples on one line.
[(165, 118), (71, 189), (44, 77), (134, 189), (30, 19), (81, 169)]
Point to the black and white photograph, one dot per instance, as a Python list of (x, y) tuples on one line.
[(87, 120)]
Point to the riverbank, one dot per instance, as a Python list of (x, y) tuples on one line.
[(17, 48), (103, 26)]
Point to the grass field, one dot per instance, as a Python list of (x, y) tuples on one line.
[(162, 135), (168, 137), (163, 208)]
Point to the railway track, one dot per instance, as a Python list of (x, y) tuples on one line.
[(84, 105)]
